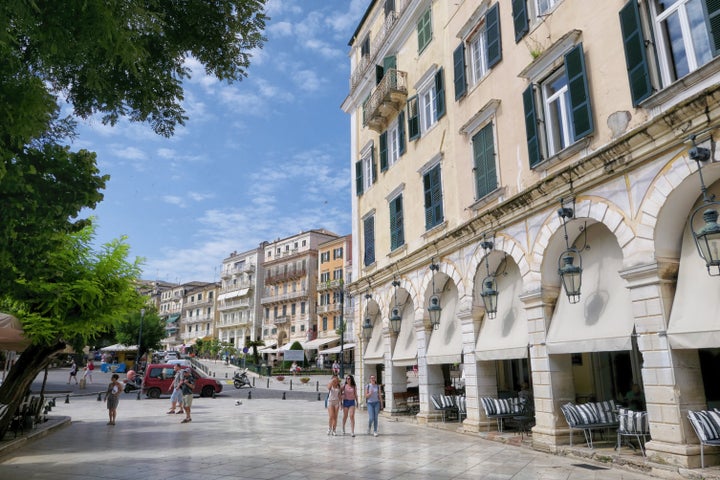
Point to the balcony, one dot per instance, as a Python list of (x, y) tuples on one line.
[(386, 100), (333, 307), (329, 285), (284, 275), (283, 297), (282, 320), (234, 304), (391, 21), (233, 270)]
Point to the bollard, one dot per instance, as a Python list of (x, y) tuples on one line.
[(99, 399), (213, 395), (138, 395), (253, 381), (317, 386), (249, 394), (225, 374), (268, 382), (53, 401), (291, 384), (318, 396), (283, 395), (213, 374), (67, 398)]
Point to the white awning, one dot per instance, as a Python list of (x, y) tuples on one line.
[(267, 349), (11, 333), (375, 350), (506, 336), (346, 347), (119, 347), (233, 294), (445, 344), (290, 344), (602, 321), (405, 353), (695, 311), (319, 342)]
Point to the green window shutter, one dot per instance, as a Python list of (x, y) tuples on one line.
[(484, 162), (413, 118), (531, 126), (389, 63), (397, 236), (579, 92), (459, 70), (383, 152), (401, 132), (439, 94), (492, 35), (635, 55), (712, 7), (433, 198), (520, 19), (424, 30), (369, 230), (373, 165), (358, 178)]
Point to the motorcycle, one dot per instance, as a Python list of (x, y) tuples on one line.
[(132, 382), (240, 379)]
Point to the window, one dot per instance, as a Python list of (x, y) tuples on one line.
[(324, 323), (397, 233), (292, 308), (424, 30), (524, 10), (427, 107), (483, 49), (325, 277), (337, 253), (302, 308), (365, 170), (542, 7), (557, 109), (338, 274), (432, 186), (484, 162), (324, 257), (369, 237), (392, 143), (365, 47), (686, 37)]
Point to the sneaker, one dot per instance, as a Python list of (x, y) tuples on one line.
[(329, 431), (334, 434), (368, 431), (186, 420), (352, 434), (179, 412), (375, 434), (343, 432)]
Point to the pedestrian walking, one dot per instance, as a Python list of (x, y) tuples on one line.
[(373, 397), (73, 372), (176, 394), (333, 404), (90, 367), (336, 368), (188, 385), (348, 393), (112, 397)]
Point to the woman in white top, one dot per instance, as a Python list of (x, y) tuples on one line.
[(333, 404)]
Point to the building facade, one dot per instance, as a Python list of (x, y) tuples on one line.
[(240, 311), (172, 306), (199, 313), (290, 288), (490, 140)]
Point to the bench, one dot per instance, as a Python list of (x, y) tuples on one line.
[(633, 424), (706, 424), (501, 409), (445, 404), (590, 416)]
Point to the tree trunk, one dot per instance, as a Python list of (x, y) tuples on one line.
[(20, 377)]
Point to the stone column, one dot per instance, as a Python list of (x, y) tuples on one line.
[(426, 381), (470, 316), (672, 379), (552, 381)]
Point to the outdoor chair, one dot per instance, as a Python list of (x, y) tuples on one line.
[(501, 409), (633, 424), (444, 404), (589, 417), (706, 424)]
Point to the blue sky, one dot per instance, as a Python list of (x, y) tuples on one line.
[(259, 159)]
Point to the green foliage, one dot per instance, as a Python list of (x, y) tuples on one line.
[(296, 346), (254, 345), (127, 331), (80, 294)]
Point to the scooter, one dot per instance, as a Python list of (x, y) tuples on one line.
[(241, 379), (132, 382)]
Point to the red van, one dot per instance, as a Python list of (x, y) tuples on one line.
[(159, 377)]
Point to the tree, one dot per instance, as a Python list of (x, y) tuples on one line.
[(81, 294), (153, 330), (254, 344)]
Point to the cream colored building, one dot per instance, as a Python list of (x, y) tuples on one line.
[(290, 289), (199, 313), (172, 305), (238, 302), (472, 124)]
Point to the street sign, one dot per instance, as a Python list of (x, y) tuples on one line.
[(294, 355)]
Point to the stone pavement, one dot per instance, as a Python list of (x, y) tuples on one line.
[(233, 437)]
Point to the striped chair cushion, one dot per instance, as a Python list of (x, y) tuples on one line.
[(633, 422), (606, 411), (488, 406), (571, 415), (706, 424), (448, 401), (460, 401), (437, 403), (503, 406), (588, 413)]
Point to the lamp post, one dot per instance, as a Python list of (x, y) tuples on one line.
[(570, 273), (142, 318), (342, 331), (434, 309)]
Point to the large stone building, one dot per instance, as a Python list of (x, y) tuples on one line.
[(473, 123), (290, 288), (239, 305)]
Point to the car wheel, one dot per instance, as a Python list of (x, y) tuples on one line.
[(154, 393), (207, 391), (127, 388)]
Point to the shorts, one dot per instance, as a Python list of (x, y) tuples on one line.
[(112, 402), (176, 396), (187, 400), (348, 403)]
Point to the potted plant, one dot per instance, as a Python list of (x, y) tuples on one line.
[(280, 378), (304, 379)]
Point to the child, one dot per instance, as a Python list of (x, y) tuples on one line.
[(112, 397)]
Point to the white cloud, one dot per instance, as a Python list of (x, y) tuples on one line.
[(129, 153), (307, 80), (281, 29), (173, 200)]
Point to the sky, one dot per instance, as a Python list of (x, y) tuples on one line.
[(258, 160)]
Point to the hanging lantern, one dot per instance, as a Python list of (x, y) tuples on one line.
[(569, 271)]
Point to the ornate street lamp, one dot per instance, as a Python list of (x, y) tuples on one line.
[(707, 238), (570, 273), (434, 308), (395, 313), (367, 324), (489, 292)]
